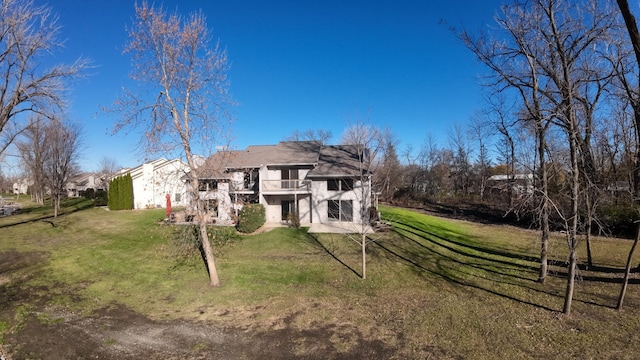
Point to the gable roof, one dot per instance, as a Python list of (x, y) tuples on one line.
[(284, 153), (157, 164), (338, 161), (327, 160)]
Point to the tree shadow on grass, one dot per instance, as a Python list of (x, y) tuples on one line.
[(314, 237), (449, 278), (429, 236), (420, 248), (49, 218)]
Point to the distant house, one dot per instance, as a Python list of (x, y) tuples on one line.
[(619, 187), (319, 184), (21, 186), (520, 184), (152, 181), (78, 184)]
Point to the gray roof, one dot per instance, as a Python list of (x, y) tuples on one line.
[(339, 161), (328, 161), (283, 153)]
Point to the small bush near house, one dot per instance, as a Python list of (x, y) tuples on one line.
[(88, 194), (101, 198), (251, 217), (294, 220)]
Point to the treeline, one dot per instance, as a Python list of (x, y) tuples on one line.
[(563, 105)]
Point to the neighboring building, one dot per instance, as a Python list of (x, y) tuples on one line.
[(152, 182), (520, 184), (21, 186), (619, 187), (77, 185), (320, 184)]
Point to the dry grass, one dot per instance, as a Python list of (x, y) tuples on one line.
[(436, 288)]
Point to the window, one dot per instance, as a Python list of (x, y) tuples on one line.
[(250, 179), (334, 210), (333, 184), (207, 185), (340, 210), (291, 175), (340, 184), (211, 207), (176, 197), (288, 207)]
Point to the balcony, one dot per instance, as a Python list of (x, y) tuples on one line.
[(286, 187), (244, 188)]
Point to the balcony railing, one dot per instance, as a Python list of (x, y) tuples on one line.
[(243, 187), (286, 186)]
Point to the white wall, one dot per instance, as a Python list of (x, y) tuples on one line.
[(155, 180), (321, 195)]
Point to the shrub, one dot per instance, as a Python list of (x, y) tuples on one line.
[(618, 220), (294, 220), (101, 198), (88, 194), (251, 218), (121, 193)]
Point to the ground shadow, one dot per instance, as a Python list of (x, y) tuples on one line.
[(49, 218), (457, 281), (418, 242), (314, 237)]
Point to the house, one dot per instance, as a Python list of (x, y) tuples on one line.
[(152, 181), (519, 184), (318, 184), (21, 186), (78, 184)]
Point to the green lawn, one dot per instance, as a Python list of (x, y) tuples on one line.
[(435, 288)]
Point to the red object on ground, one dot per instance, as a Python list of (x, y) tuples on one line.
[(168, 206)]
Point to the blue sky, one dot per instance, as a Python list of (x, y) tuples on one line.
[(296, 65)]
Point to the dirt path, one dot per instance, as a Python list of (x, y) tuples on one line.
[(39, 330)]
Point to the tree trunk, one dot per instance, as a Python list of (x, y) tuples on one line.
[(627, 270), (588, 226), (571, 277), (364, 254), (204, 236), (544, 207), (634, 36), (208, 253), (573, 225), (56, 205)]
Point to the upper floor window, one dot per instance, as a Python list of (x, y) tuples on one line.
[(207, 185), (289, 178), (340, 184)]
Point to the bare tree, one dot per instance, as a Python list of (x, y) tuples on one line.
[(462, 159), (32, 148), (107, 167), (27, 34), (553, 39), (513, 67), (187, 110), (61, 153), (310, 135), (632, 92), (501, 117), (480, 132), (367, 143), (388, 169)]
